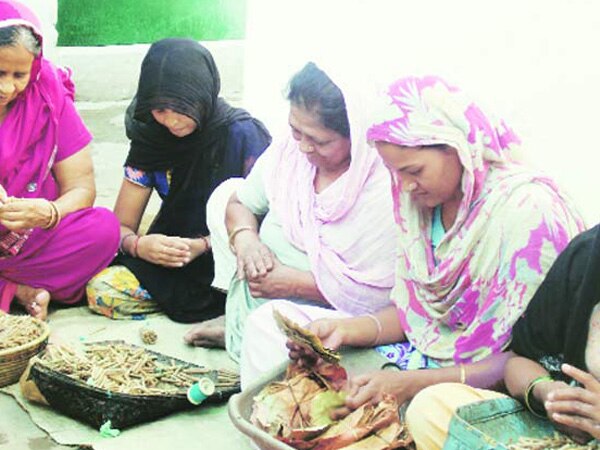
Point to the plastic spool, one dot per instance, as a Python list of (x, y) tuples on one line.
[(200, 391)]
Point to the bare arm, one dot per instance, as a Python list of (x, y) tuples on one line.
[(77, 190), (75, 178), (130, 205), (305, 286), (404, 385), (168, 251), (237, 215), (254, 259), (285, 282), (267, 277), (362, 331), (519, 373)]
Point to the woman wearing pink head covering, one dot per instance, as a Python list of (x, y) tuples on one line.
[(325, 242), (51, 240), (477, 234)]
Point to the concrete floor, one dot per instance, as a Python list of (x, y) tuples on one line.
[(106, 79), (19, 433)]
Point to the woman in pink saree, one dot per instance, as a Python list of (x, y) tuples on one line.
[(51, 240)]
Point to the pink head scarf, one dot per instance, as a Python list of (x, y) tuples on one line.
[(28, 135), (510, 226), (347, 229)]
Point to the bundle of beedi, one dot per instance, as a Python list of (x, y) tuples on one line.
[(121, 382), (298, 409), (21, 338)]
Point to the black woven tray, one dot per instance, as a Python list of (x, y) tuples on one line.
[(95, 406)]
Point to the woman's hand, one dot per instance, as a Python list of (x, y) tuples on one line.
[(278, 282), (198, 246), (167, 251), (254, 259), (19, 214), (370, 388), (333, 334), (576, 409)]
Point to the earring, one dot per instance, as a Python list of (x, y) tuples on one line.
[(411, 187)]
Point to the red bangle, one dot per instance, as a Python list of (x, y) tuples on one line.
[(134, 252), (123, 239), (206, 243)]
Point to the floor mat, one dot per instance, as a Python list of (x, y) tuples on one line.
[(206, 426)]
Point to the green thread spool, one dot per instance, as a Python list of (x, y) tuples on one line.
[(200, 391)]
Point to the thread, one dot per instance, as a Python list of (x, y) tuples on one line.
[(200, 391)]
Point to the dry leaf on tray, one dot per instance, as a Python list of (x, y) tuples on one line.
[(297, 411), (304, 337), (285, 405)]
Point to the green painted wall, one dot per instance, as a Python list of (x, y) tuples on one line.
[(109, 22)]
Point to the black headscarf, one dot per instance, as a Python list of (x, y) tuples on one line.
[(556, 322), (181, 75)]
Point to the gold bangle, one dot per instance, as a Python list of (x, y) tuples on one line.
[(58, 216), (529, 391), (463, 373), (52, 217), (235, 232)]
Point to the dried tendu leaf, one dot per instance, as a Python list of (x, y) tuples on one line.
[(297, 411), (304, 337)]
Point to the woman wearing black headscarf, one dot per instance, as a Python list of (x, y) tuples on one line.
[(185, 140)]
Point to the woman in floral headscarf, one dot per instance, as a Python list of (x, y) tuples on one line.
[(478, 232)]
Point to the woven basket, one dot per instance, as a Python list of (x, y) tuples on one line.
[(13, 361), (95, 406)]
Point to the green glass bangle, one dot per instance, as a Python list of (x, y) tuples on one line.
[(529, 391)]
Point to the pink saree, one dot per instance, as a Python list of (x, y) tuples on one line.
[(41, 129)]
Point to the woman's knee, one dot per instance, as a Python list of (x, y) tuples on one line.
[(105, 224), (417, 417), (430, 412), (116, 293), (104, 232), (257, 320)]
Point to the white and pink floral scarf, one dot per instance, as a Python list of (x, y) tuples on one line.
[(511, 225)]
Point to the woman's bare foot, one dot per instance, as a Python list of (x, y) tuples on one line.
[(34, 300), (210, 333)]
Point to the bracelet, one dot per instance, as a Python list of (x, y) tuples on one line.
[(121, 248), (529, 391), (235, 232), (55, 217), (206, 243), (58, 216), (463, 373), (52, 217), (134, 250), (379, 329)]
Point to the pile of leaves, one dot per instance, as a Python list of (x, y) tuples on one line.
[(297, 412)]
